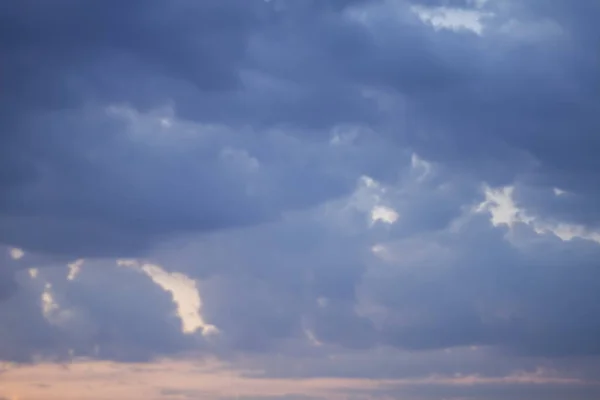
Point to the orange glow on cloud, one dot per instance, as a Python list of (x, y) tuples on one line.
[(180, 380), (160, 380)]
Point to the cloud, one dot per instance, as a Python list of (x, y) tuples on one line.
[(185, 295), (312, 179), (137, 317), (115, 178)]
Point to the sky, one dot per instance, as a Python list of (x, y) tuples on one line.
[(299, 200)]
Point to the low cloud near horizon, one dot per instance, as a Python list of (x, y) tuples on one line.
[(311, 199)]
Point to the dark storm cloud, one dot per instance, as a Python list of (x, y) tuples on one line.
[(499, 104), (77, 175), (62, 56), (8, 282), (535, 95), (541, 301), (521, 99), (8, 285), (49, 44)]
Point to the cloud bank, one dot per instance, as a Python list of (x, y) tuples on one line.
[(303, 181)]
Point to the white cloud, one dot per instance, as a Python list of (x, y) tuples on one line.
[(15, 253), (559, 192), (384, 214), (74, 269), (503, 210), (51, 309), (455, 19), (184, 292), (500, 204), (48, 304)]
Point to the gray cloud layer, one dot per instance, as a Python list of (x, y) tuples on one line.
[(246, 125), (500, 106)]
